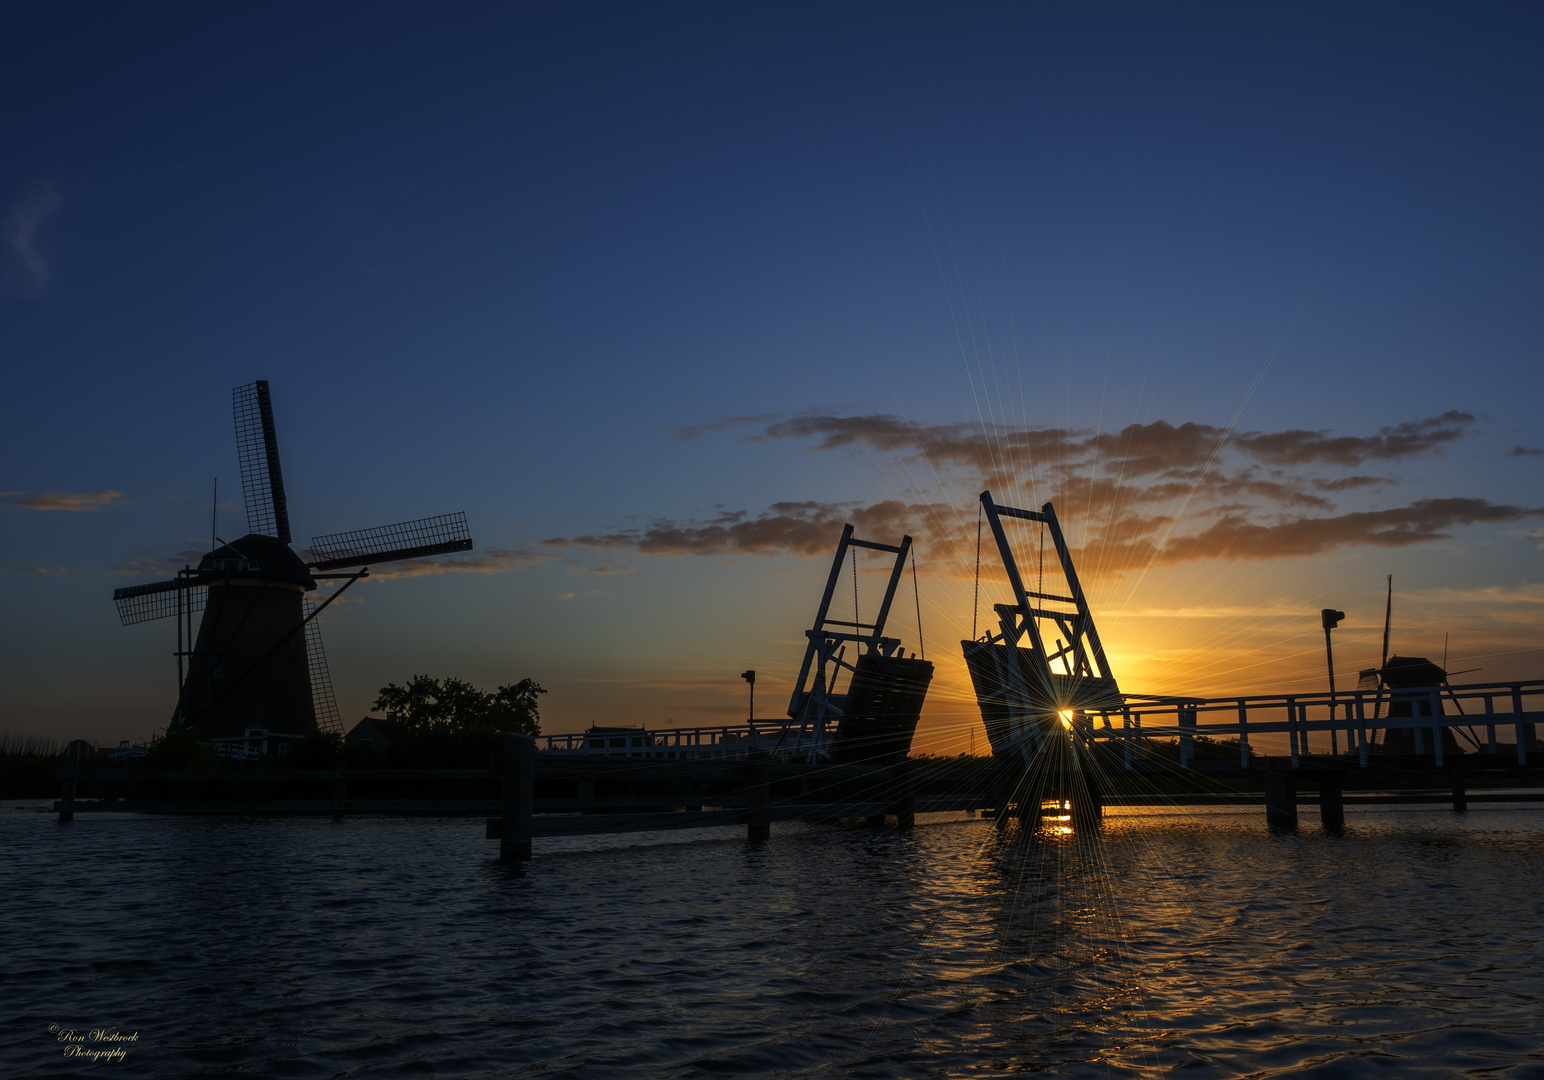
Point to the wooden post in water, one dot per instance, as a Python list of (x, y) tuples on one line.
[(1332, 803), (1002, 787), (519, 778), (339, 789), (1087, 801), (72, 755), (758, 796), (1280, 801), (1521, 728), (1361, 731), (1187, 719), (1460, 793), (1243, 734), (1292, 737), (1436, 728), (905, 808)]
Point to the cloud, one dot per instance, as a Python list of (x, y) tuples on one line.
[(696, 431), (1148, 494), (44, 571), (1526, 451), (26, 269), (784, 528), (1349, 483), (1136, 450), (812, 528), (1410, 439), (494, 561), (147, 562), (1423, 521), (63, 500)]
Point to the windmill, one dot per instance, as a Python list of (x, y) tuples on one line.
[(257, 661), (1409, 681)]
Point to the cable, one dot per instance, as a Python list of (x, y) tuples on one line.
[(976, 610), (921, 645)]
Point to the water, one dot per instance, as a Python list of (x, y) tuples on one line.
[(1189, 944)]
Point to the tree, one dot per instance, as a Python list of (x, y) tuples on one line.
[(454, 705)]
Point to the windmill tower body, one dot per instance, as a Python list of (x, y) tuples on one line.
[(257, 661), (248, 667)]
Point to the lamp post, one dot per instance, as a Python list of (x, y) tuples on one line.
[(1330, 618), (750, 677)]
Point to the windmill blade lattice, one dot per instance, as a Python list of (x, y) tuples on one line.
[(323, 702), (257, 449), (406, 540), (157, 600)]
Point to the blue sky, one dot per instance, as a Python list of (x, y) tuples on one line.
[(503, 259)]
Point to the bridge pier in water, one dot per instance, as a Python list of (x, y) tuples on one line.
[(1280, 801)]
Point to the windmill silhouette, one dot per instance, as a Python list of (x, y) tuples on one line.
[(257, 661)]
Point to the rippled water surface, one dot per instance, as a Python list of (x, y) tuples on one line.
[(1194, 944)]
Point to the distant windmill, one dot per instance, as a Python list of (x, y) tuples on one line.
[(257, 661), (1415, 676)]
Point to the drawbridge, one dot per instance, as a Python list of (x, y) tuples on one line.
[(1042, 677)]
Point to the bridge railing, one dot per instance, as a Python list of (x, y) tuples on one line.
[(726, 742), (1512, 707)]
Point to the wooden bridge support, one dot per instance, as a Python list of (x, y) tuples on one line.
[(905, 807), (73, 755), (1003, 787), (758, 796), (1087, 803), (1460, 793), (519, 779), (1332, 803), (1280, 801), (339, 789)]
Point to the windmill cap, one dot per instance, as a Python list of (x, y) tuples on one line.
[(1411, 671), (266, 558)]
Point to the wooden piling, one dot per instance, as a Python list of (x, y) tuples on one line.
[(905, 808), (1087, 802), (758, 796), (1460, 793), (519, 779), (1292, 745), (1522, 730), (72, 755), (1002, 788), (1332, 803), (339, 789), (1187, 751), (1280, 801)]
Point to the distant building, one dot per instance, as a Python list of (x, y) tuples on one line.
[(371, 731)]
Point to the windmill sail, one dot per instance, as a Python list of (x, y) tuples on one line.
[(157, 600), (323, 703), (257, 448), (406, 540)]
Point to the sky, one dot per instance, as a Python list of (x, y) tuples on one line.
[(662, 295)]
